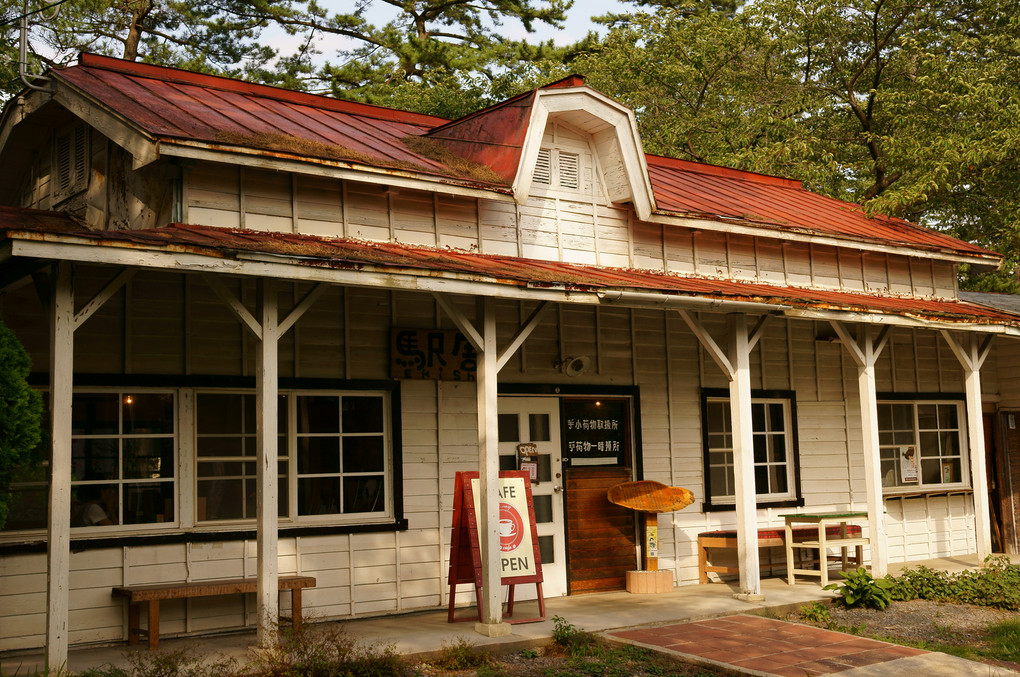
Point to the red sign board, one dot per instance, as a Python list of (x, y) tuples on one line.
[(520, 561)]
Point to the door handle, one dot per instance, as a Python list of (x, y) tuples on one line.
[(557, 488)]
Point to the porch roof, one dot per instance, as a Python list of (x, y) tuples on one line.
[(53, 236), (480, 152)]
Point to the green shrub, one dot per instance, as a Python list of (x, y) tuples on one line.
[(20, 416), (860, 589), (996, 584), (816, 612)]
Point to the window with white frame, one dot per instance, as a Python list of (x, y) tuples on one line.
[(774, 443), (922, 444), (335, 456), (123, 458), (335, 453)]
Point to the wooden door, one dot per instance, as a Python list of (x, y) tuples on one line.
[(601, 537)]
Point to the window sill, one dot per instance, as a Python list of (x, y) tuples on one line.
[(928, 493), (785, 503), (37, 543)]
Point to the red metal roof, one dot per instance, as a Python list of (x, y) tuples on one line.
[(194, 107), (706, 191), (339, 253)]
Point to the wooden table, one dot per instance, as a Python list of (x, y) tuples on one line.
[(821, 520)]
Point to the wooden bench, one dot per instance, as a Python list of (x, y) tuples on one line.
[(152, 594), (767, 538)]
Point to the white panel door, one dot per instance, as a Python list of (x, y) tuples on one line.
[(537, 420)]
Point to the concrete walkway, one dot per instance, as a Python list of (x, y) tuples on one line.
[(690, 606)]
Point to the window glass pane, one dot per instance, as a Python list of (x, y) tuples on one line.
[(761, 443), (929, 444), (927, 417), (546, 549), (220, 446), (318, 495), (508, 462), (777, 419), (317, 455), (905, 437), (148, 459), (94, 505), (148, 503), (761, 479), (364, 494), (218, 414), (721, 481), (757, 416), (778, 449), (221, 499), (951, 471), (931, 471), (539, 427), (718, 441), (903, 416), (890, 468), (362, 414), (777, 478), (947, 416), (95, 414), (544, 467), (885, 418), (94, 459), (718, 417), (950, 443), (363, 454), (543, 509), (318, 414), (148, 413), (508, 428)]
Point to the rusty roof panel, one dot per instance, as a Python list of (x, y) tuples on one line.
[(170, 104), (688, 189), (410, 260)]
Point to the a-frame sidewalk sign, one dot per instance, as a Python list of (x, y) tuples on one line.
[(520, 561)]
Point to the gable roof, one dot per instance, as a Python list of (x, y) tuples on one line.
[(47, 235), (153, 111)]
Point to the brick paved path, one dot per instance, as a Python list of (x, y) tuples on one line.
[(768, 645)]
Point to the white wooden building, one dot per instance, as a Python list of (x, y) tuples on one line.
[(205, 270)]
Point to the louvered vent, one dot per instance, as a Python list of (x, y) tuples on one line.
[(569, 166), (71, 159), (543, 167), (65, 168)]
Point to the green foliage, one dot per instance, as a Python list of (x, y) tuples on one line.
[(911, 110), (20, 416), (816, 612), (996, 584), (529, 653), (460, 655), (860, 589)]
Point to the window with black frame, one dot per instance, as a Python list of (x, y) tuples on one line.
[(923, 444), (774, 442)]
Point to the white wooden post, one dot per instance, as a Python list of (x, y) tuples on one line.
[(266, 404), (743, 461), (489, 363), (491, 613), (58, 552), (865, 356), (737, 368), (971, 356)]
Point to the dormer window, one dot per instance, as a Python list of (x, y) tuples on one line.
[(557, 168)]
